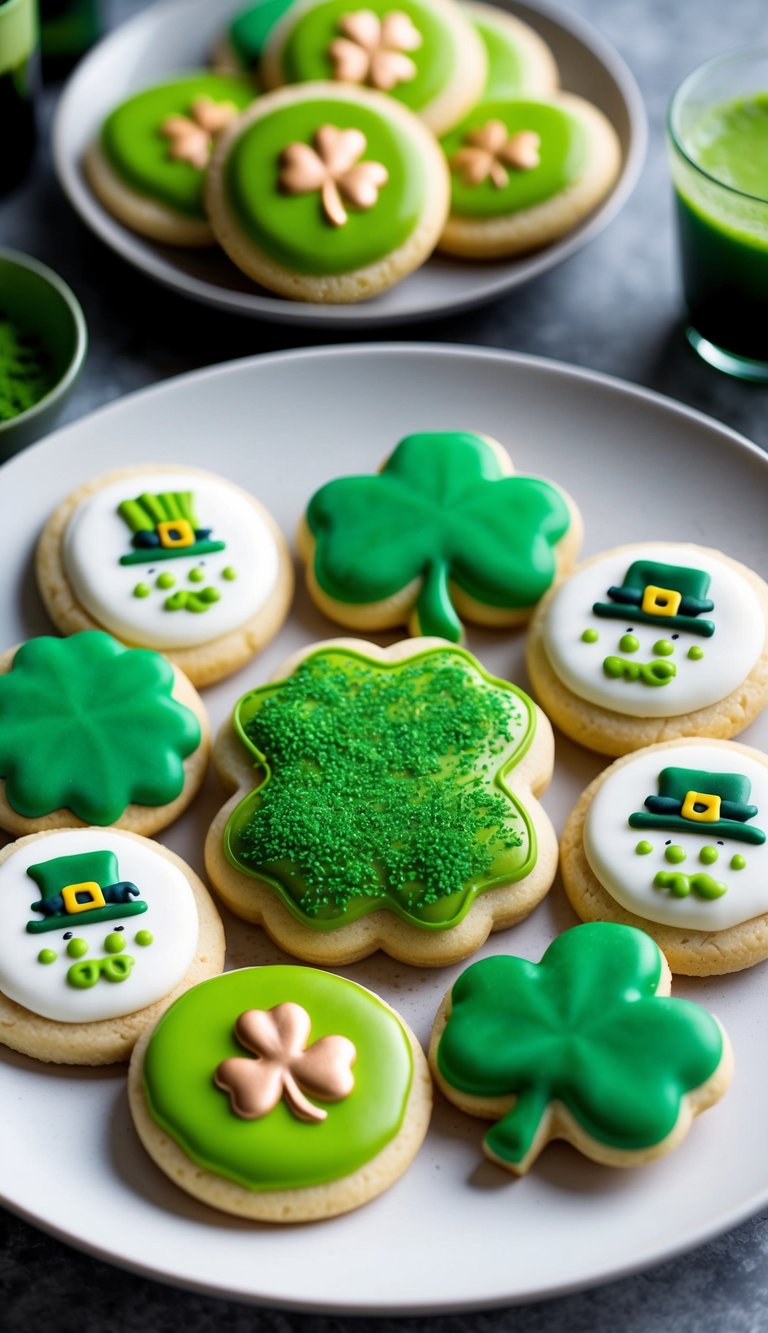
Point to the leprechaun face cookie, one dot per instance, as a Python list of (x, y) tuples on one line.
[(673, 838), (524, 172), (93, 732), (386, 799), (325, 193), (169, 558), (98, 928), (282, 1094), (426, 54), (585, 1046), (651, 635), (444, 530), (148, 163)]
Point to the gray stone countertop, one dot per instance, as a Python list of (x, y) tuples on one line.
[(614, 307)]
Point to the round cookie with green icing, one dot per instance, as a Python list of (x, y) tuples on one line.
[(92, 732), (282, 1094), (168, 557), (148, 163), (239, 48), (385, 798), (326, 193), (520, 63), (586, 1045), (99, 930), (426, 54), (673, 839), (444, 532), (524, 172), (654, 639)]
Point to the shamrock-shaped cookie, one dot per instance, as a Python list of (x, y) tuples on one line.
[(244, 1132), (93, 732), (585, 1046), (386, 798), (443, 531)]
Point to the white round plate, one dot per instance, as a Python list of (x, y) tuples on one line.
[(455, 1231), (179, 34)]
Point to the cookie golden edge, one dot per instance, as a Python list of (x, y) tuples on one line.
[(203, 664), (110, 1041), (357, 284), (141, 819), (140, 214), (454, 100), (303, 1204), (532, 228), (693, 953), (400, 608), (615, 734), (559, 1123), (255, 901), (542, 74)]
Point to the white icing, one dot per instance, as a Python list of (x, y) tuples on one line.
[(729, 655), (96, 538), (171, 917), (610, 842)]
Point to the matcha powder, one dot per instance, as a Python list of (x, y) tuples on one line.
[(25, 372)]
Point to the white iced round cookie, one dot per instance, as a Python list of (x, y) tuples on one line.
[(185, 590), (666, 663), (677, 836), (119, 932)]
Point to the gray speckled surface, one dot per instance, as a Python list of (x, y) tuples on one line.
[(614, 307)]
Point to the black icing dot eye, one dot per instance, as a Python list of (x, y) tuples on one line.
[(150, 571), (668, 843), (675, 636), (630, 629), (67, 934), (119, 927), (720, 844)]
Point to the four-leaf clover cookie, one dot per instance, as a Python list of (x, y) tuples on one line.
[(585, 1046), (386, 799), (444, 531)]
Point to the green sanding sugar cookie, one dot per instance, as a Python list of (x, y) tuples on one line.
[(277, 1149)]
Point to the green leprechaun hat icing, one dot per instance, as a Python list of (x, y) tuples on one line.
[(165, 526), (692, 800), (82, 889), (653, 593)]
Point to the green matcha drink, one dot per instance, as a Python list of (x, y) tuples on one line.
[(719, 148)]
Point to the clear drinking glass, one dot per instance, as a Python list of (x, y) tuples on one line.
[(718, 143)]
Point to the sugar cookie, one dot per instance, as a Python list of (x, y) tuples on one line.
[(520, 64)]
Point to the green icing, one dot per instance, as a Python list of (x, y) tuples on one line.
[(442, 510), (584, 1027), (738, 862), (196, 602), (144, 938), (229, 574), (695, 653), (277, 1151), (305, 52), (708, 856), (90, 726), (76, 948), (563, 153), (196, 575), (142, 590), (250, 29), (674, 854), (114, 943), (293, 228), (663, 648), (47, 956), (88, 972), (383, 785), (165, 580), (644, 848), (506, 67), (137, 150), (628, 643), (680, 885), (25, 370), (654, 673), (590, 636)]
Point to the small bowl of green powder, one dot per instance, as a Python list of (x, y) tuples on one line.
[(43, 342)]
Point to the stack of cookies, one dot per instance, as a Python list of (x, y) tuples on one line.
[(332, 150)]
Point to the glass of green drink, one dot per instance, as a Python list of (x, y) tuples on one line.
[(718, 138)]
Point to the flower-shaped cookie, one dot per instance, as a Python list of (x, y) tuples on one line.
[(488, 152), (372, 49), (585, 1045), (91, 726), (332, 166), (285, 1066), (191, 137)]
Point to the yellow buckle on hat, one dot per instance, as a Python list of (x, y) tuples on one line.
[(176, 532), (95, 897), (660, 601), (702, 806)]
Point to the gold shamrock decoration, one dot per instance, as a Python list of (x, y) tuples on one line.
[(331, 166), (192, 136), (284, 1065), (372, 49), (491, 149)]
